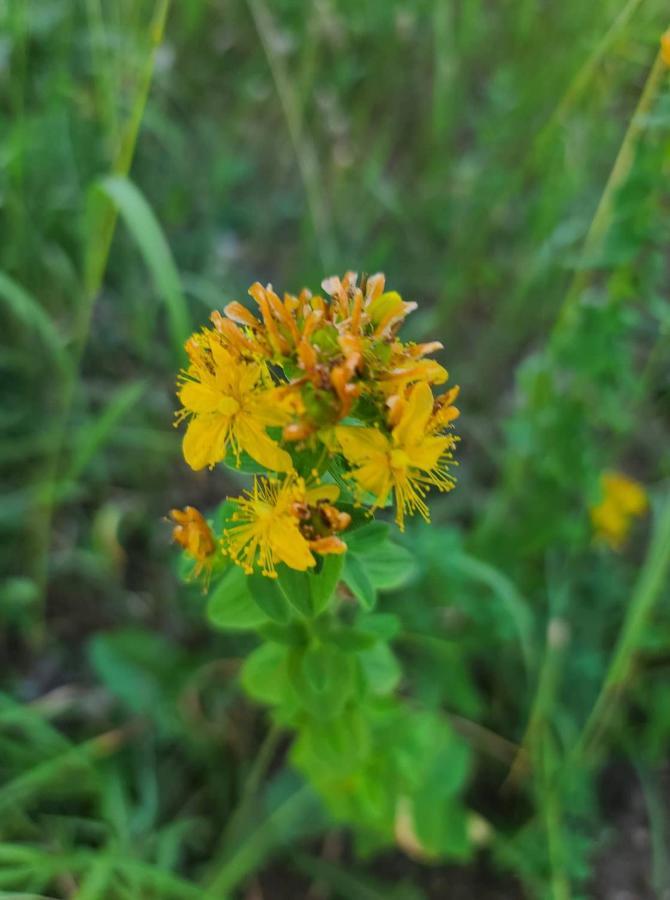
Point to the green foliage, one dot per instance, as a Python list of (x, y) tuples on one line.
[(469, 683), (230, 604)]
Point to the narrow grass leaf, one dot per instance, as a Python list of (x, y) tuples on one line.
[(25, 307), (92, 439), (296, 814), (142, 223)]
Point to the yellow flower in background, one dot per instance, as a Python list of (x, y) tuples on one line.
[(278, 522), (408, 461), (665, 47), (229, 402), (193, 533), (623, 499)]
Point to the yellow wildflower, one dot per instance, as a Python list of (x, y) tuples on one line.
[(284, 522), (194, 534), (623, 499), (665, 47), (229, 402), (407, 462), (303, 363)]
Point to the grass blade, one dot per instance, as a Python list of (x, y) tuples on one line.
[(299, 811), (148, 234), (23, 788), (652, 579), (28, 310), (95, 436)]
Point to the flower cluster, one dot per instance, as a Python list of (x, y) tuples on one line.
[(321, 393)]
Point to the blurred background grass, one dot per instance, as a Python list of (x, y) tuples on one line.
[(506, 164)]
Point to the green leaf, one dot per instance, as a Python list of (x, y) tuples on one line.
[(320, 664), (230, 604), (367, 537), (506, 593), (389, 566), (291, 635), (333, 748), (269, 597), (222, 515), (143, 670), (380, 668), (243, 463), (264, 674), (295, 586), (350, 638), (324, 582), (384, 626), (323, 677), (357, 580), (441, 825)]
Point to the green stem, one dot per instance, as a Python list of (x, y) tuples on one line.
[(259, 767), (618, 174), (543, 701), (303, 148), (95, 264), (98, 251), (658, 829), (553, 817), (241, 814), (535, 158), (650, 583), (513, 474), (585, 73)]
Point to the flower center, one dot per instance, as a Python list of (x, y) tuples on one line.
[(399, 460), (228, 406)]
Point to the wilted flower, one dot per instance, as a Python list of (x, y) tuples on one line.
[(194, 534)]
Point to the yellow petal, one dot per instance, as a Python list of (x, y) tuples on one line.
[(205, 441), (626, 492), (359, 444), (248, 376), (272, 407), (375, 477), (611, 524), (411, 428), (426, 455), (329, 492), (199, 398), (226, 367), (253, 439), (291, 547)]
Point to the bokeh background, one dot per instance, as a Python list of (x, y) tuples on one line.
[(506, 165)]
